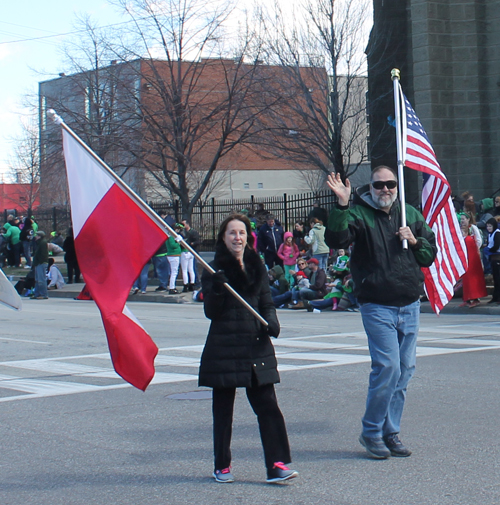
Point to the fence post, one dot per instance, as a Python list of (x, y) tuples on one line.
[(176, 210), (285, 210), (213, 219), (54, 219)]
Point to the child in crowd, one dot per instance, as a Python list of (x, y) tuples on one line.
[(302, 280), (342, 261), (56, 280), (288, 252)]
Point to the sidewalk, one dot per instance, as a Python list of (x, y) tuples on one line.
[(72, 291)]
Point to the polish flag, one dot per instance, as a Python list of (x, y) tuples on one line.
[(114, 238)]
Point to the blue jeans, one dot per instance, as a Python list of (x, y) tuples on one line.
[(392, 340), (41, 280), (142, 281), (162, 267), (274, 291), (323, 260), (27, 251), (281, 299), (308, 294), (322, 304)]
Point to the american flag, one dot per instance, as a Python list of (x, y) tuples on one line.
[(437, 208)]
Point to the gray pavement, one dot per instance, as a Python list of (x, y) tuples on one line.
[(453, 307), (72, 432)]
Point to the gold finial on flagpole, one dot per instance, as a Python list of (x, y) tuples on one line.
[(395, 74)]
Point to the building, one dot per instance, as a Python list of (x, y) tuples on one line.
[(449, 55), (19, 197), (149, 124)]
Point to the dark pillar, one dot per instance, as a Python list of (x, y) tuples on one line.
[(389, 47)]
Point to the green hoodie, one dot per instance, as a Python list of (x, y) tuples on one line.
[(173, 247), (280, 281), (13, 234)]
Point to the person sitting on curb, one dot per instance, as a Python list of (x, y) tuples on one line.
[(317, 288), (340, 298), (278, 282), (54, 275)]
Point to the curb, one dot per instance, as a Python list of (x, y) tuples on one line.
[(453, 308), (151, 297)]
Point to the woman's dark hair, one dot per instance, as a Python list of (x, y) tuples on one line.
[(238, 217), (51, 262)]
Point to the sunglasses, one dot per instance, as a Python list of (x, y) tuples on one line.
[(382, 184)]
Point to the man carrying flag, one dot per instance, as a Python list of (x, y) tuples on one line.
[(388, 285)]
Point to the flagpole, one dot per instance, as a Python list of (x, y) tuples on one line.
[(150, 212), (395, 75)]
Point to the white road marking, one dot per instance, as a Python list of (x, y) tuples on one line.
[(294, 354), (14, 339)]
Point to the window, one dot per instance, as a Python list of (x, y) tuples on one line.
[(246, 185), (260, 185)]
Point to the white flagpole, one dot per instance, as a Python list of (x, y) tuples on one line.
[(150, 212), (395, 74)]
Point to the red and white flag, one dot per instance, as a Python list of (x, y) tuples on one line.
[(439, 213), (114, 238)]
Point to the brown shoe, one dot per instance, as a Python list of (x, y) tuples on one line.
[(298, 305)]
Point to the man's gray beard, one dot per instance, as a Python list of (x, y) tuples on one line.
[(384, 201)]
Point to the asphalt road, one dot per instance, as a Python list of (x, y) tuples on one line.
[(72, 432)]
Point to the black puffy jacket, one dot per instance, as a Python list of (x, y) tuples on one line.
[(237, 343)]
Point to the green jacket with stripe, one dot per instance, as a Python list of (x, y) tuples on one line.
[(382, 271)]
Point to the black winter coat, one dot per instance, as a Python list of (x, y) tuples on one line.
[(237, 343)]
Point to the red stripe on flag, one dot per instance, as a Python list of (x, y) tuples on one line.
[(437, 208), (113, 245)]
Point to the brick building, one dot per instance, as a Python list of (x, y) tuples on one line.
[(449, 55), (19, 197), (103, 108)]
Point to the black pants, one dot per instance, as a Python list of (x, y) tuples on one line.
[(495, 270), (14, 255), (271, 259), (73, 270), (271, 424)]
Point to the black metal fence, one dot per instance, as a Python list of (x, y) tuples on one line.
[(206, 217)]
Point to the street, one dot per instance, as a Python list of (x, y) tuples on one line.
[(74, 433)]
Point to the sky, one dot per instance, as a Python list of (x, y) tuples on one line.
[(24, 64)]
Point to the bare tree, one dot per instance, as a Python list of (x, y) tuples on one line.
[(25, 167), (92, 96), (320, 119), (197, 100)]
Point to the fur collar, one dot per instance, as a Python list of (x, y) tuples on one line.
[(249, 280)]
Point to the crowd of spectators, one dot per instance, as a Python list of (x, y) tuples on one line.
[(305, 273)]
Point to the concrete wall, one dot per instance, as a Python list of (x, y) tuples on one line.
[(456, 67), (264, 183)]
